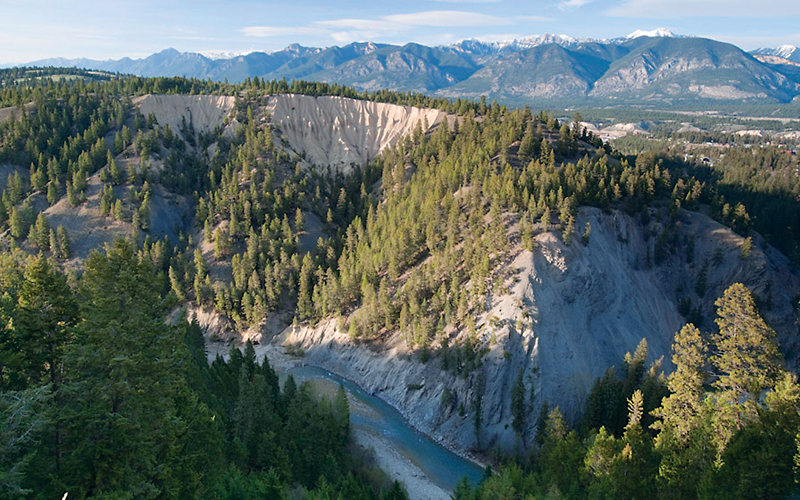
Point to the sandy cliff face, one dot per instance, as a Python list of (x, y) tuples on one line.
[(571, 313), (342, 132), (203, 112)]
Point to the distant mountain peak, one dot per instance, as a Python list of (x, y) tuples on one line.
[(474, 45), (656, 33), (785, 51), (789, 52), (215, 55), (169, 52)]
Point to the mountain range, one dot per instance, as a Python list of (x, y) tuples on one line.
[(653, 66)]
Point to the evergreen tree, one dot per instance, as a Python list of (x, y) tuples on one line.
[(52, 193), (123, 375), (47, 311), (682, 411), (305, 307), (18, 223), (477, 407), (747, 360), (518, 405), (118, 213), (41, 232), (175, 284), (64, 248)]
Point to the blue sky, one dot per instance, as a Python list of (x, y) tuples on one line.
[(110, 29)]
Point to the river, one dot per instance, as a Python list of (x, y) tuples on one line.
[(443, 468)]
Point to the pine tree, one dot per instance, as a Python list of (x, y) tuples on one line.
[(546, 219), (118, 213), (747, 247), (682, 411), (748, 362), (527, 145), (567, 233), (124, 373), (47, 311), (600, 457), (18, 223), (299, 221), (64, 248), (52, 193), (114, 171), (38, 178), (72, 196), (518, 405), (53, 243), (175, 284), (221, 243), (41, 232), (634, 471), (305, 307)]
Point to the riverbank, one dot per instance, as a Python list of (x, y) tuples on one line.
[(282, 361), (390, 458), (400, 468)]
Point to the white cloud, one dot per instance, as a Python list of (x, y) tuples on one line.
[(269, 31), (535, 19), (193, 38), (569, 4), (704, 8), (447, 18), (346, 30)]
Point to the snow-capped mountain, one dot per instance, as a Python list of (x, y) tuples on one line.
[(789, 52), (479, 47), (658, 32), (216, 55)]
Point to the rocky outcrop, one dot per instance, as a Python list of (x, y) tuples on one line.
[(572, 312)]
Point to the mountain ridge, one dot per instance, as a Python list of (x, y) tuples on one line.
[(657, 65)]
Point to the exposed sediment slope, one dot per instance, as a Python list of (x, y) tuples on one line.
[(572, 312), (204, 112), (342, 132), (88, 229)]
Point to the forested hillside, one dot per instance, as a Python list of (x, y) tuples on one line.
[(410, 253)]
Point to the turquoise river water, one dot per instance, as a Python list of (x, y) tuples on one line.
[(442, 467)]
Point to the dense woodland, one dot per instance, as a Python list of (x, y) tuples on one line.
[(102, 398)]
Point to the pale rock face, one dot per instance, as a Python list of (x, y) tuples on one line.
[(204, 112), (572, 312), (343, 132)]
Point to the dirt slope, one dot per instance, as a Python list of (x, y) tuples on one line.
[(204, 112), (88, 229), (339, 132)]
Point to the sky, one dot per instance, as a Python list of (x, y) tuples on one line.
[(111, 29)]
